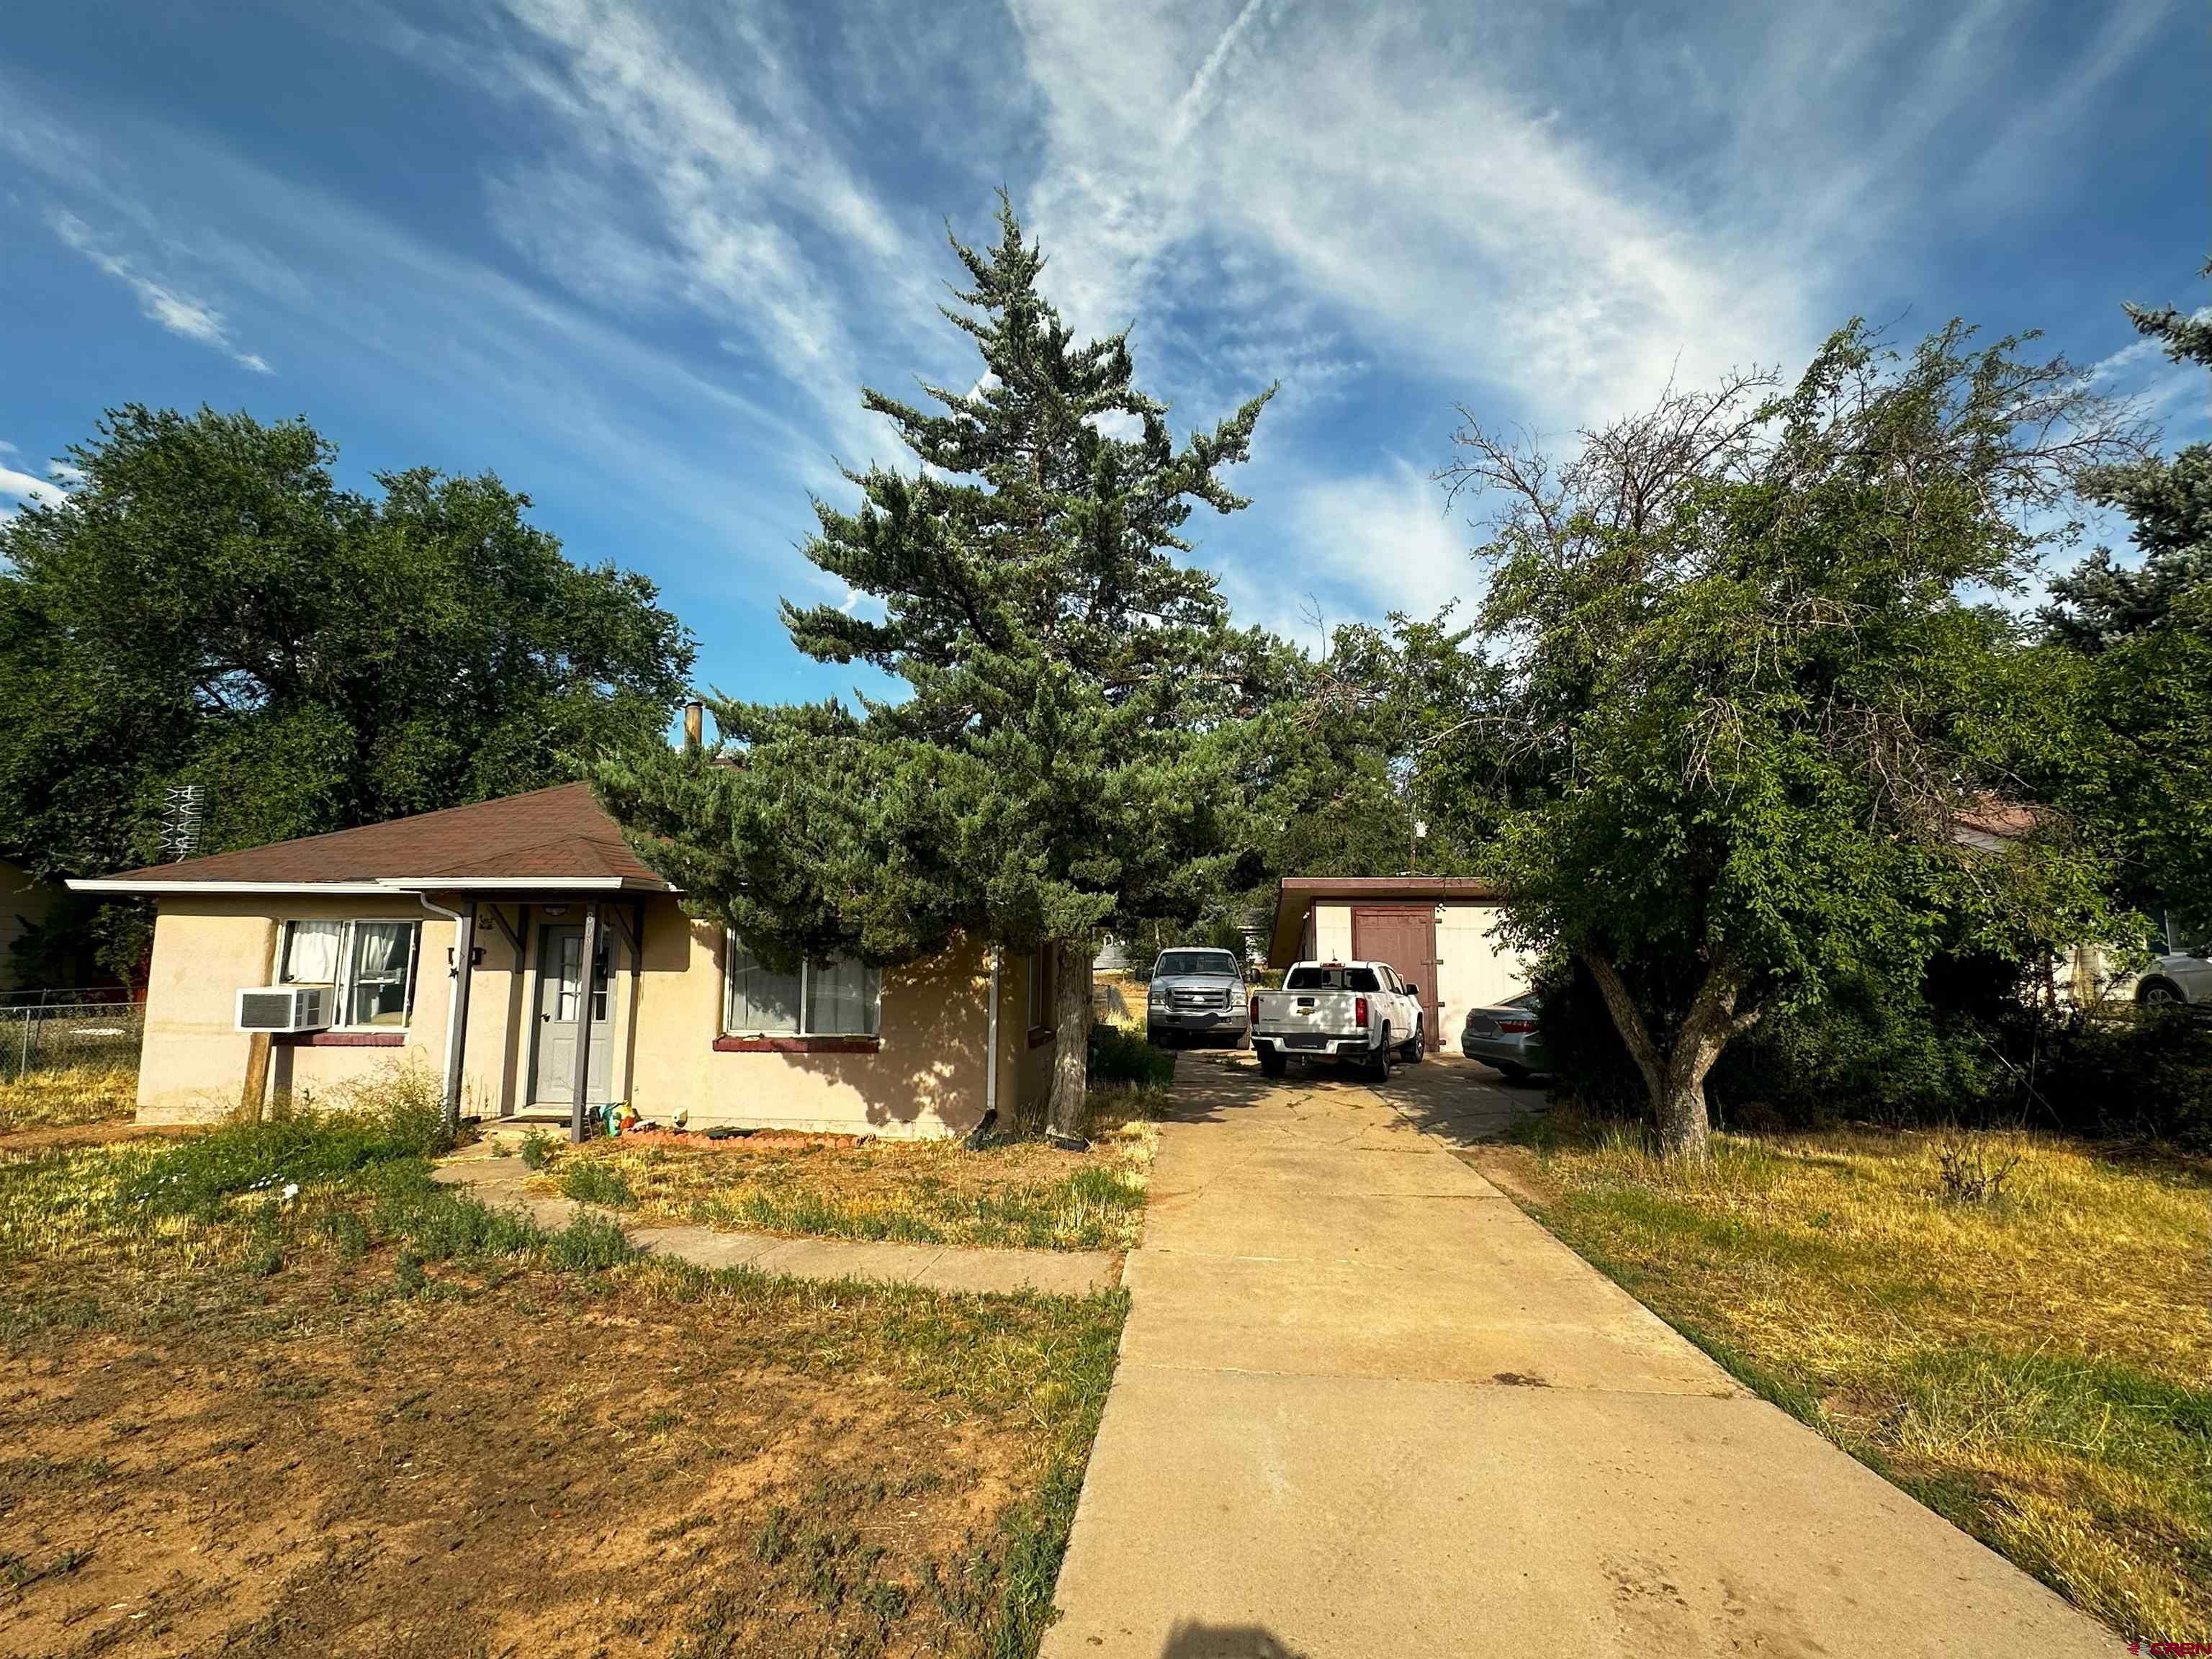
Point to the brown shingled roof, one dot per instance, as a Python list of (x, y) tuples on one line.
[(560, 836)]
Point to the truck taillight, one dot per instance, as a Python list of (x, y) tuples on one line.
[(1252, 1014), (1359, 1010)]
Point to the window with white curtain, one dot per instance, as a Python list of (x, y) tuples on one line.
[(371, 963), (842, 997)]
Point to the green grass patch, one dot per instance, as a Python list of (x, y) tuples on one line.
[(2034, 1365), (589, 1182), (1016, 1193)]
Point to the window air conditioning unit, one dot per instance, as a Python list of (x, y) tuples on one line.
[(287, 1008)]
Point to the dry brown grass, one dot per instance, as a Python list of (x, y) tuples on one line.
[(272, 1390), (66, 1096), (2033, 1364), (1019, 1194)]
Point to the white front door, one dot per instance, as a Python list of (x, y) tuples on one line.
[(560, 982)]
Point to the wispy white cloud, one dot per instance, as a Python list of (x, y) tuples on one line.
[(16, 486), (685, 165), (175, 310), (1402, 183), (2160, 389), (1548, 216), (1355, 545)]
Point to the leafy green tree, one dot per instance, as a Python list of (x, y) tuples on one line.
[(2141, 642), (1747, 703), (1060, 765), (209, 607)]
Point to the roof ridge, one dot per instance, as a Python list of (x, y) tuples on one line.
[(182, 868)]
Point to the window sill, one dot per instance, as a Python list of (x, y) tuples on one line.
[(1040, 1034), (341, 1039), (798, 1045)]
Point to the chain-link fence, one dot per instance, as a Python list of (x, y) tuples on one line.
[(38, 1034)]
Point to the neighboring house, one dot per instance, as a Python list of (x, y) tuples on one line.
[(682, 1017), (24, 903), (1435, 930)]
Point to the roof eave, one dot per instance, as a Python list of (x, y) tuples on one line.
[(127, 884), (386, 884)]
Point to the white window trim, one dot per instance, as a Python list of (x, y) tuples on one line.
[(730, 948), (341, 988)]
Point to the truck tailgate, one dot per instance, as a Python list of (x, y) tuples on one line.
[(1310, 1014)]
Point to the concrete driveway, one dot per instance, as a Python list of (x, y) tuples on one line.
[(1367, 1407)]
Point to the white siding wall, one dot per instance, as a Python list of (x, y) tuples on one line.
[(1332, 933), (1473, 969)]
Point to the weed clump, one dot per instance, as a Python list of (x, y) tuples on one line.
[(589, 1182), (387, 1121), (590, 1244)]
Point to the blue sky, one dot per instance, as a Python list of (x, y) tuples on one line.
[(637, 259)]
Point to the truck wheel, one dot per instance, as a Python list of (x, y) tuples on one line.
[(1271, 1062), (1378, 1059), (1412, 1052)]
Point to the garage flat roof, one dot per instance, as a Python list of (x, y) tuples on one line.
[(1297, 895)]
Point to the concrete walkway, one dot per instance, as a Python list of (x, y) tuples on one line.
[(500, 1181), (1367, 1409)]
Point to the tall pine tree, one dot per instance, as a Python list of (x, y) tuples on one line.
[(2141, 774), (1060, 767)]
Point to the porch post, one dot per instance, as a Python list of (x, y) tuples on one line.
[(581, 1085), (457, 1015)]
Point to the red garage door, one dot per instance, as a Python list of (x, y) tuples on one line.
[(1405, 936)]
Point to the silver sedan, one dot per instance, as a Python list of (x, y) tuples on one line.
[(1509, 1037)]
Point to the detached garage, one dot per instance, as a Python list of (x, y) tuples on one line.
[(1435, 930)]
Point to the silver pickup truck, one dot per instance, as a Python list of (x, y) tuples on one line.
[(1359, 1012), (1195, 993)]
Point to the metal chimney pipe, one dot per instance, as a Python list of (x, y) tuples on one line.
[(695, 726)]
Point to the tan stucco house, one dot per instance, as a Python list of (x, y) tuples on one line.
[(485, 911), (1438, 932)]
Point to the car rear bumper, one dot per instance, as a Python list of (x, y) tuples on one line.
[(1504, 1049)]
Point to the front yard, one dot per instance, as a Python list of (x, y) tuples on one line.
[(1013, 1193), (2032, 1364), (272, 1390)]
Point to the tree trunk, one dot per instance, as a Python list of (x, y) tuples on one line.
[(1070, 1113), (1674, 1072), (1683, 1124)]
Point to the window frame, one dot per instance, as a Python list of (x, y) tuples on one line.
[(1234, 970), (345, 983), (1039, 1009), (872, 1001)]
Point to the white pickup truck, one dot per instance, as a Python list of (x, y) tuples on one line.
[(1356, 1011)]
